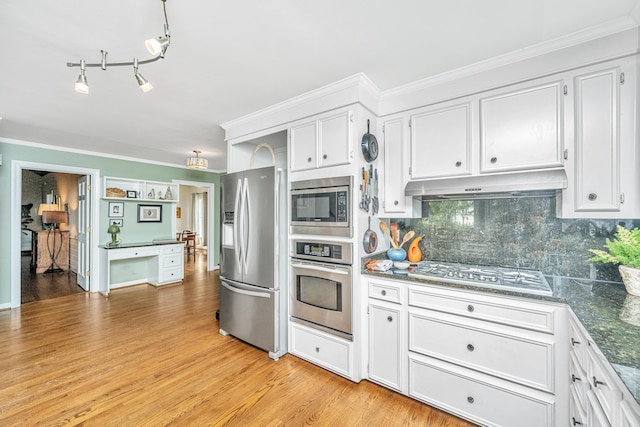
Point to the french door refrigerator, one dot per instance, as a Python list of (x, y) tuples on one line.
[(253, 254)]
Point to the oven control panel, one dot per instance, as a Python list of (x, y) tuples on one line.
[(324, 251)]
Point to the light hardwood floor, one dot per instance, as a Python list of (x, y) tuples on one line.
[(149, 356)]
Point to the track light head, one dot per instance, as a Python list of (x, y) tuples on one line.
[(158, 45), (142, 82), (81, 84)]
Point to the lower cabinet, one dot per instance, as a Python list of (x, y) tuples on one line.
[(323, 349), (491, 360), (171, 264)]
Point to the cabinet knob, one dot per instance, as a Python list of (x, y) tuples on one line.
[(317, 349), (389, 319), (458, 164), (494, 160), (574, 378), (470, 308), (395, 203), (309, 159), (470, 347), (324, 156), (592, 196), (575, 422), (574, 342), (383, 292), (470, 399), (596, 383)]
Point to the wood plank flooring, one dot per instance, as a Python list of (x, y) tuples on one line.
[(149, 356), (38, 287)]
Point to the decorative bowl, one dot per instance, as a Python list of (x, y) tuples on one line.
[(401, 265), (397, 254)]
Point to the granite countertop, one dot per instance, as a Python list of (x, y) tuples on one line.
[(607, 312), (141, 244)]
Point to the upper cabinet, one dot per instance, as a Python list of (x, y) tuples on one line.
[(522, 128), (602, 166), (395, 147), (441, 142), (322, 142)]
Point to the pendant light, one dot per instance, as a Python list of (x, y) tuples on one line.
[(197, 162)]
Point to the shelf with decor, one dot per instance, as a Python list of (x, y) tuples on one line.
[(140, 190)]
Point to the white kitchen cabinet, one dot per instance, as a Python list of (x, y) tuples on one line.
[(441, 140), (326, 350), (521, 128), (602, 165), (323, 142), (395, 175), (385, 344)]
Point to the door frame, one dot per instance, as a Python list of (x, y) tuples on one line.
[(210, 217), (17, 166)]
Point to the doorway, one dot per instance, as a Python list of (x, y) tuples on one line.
[(86, 221)]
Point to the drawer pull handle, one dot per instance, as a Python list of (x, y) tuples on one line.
[(596, 383), (470, 308), (389, 318), (470, 347), (470, 399), (575, 422), (383, 292), (574, 378), (574, 342)]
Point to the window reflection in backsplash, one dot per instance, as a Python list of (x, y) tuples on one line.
[(522, 232)]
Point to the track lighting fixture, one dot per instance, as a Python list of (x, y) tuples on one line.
[(197, 162), (81, 84), (157, 47), (142, 82)]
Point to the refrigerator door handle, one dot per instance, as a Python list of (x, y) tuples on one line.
[(237, 224), (246, 238), (228, 285)]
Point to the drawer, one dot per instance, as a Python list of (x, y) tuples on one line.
[(603, 385), (628, 417), (322, 349), (578, 342), (169, 275), (143, 251), (507, 311), (172, 260), (173, 249), (519, 356), (596, 417), (477, 397), (578, 379), (386, 291), (577, 412)]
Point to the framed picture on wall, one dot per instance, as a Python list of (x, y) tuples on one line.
[(116, 221), (116, 209), (149, 213), (132, 195), (178, 212)]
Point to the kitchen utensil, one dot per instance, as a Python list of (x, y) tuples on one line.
[(407, 237), (369, 146), (370, 240), (385, 230), (394, 233)]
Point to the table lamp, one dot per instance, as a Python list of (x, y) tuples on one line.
[(113, 230)]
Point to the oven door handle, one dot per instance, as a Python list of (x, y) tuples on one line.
[(337, 270)]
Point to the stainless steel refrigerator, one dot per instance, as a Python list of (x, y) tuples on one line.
[(253, 254)]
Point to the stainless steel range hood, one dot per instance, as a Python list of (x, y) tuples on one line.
[(538, 183)]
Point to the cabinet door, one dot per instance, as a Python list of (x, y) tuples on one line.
[(597, 146), (334, 140), (394, 165), (303, 140), (385, 345), (522, 129), (441, 142)]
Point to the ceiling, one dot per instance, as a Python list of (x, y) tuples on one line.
[(231, 58)]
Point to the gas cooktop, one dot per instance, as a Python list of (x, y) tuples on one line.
[(511, 279)]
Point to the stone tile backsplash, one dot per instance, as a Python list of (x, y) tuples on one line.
[(521, 232)]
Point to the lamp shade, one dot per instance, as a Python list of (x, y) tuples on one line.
[(113, 229), (55, 217), (47, 207), (197, 162)]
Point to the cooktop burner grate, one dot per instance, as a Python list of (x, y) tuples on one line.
[(513, 279)]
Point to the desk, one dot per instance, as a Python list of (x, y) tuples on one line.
[(133, 263)]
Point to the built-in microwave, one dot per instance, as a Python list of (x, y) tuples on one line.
[(322, 207)]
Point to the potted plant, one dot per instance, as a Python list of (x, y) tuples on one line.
[(624, 249)]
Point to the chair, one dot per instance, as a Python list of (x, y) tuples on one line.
[(189, 237)]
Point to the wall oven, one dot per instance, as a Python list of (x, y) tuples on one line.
[(321, 285), (322, 206)]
